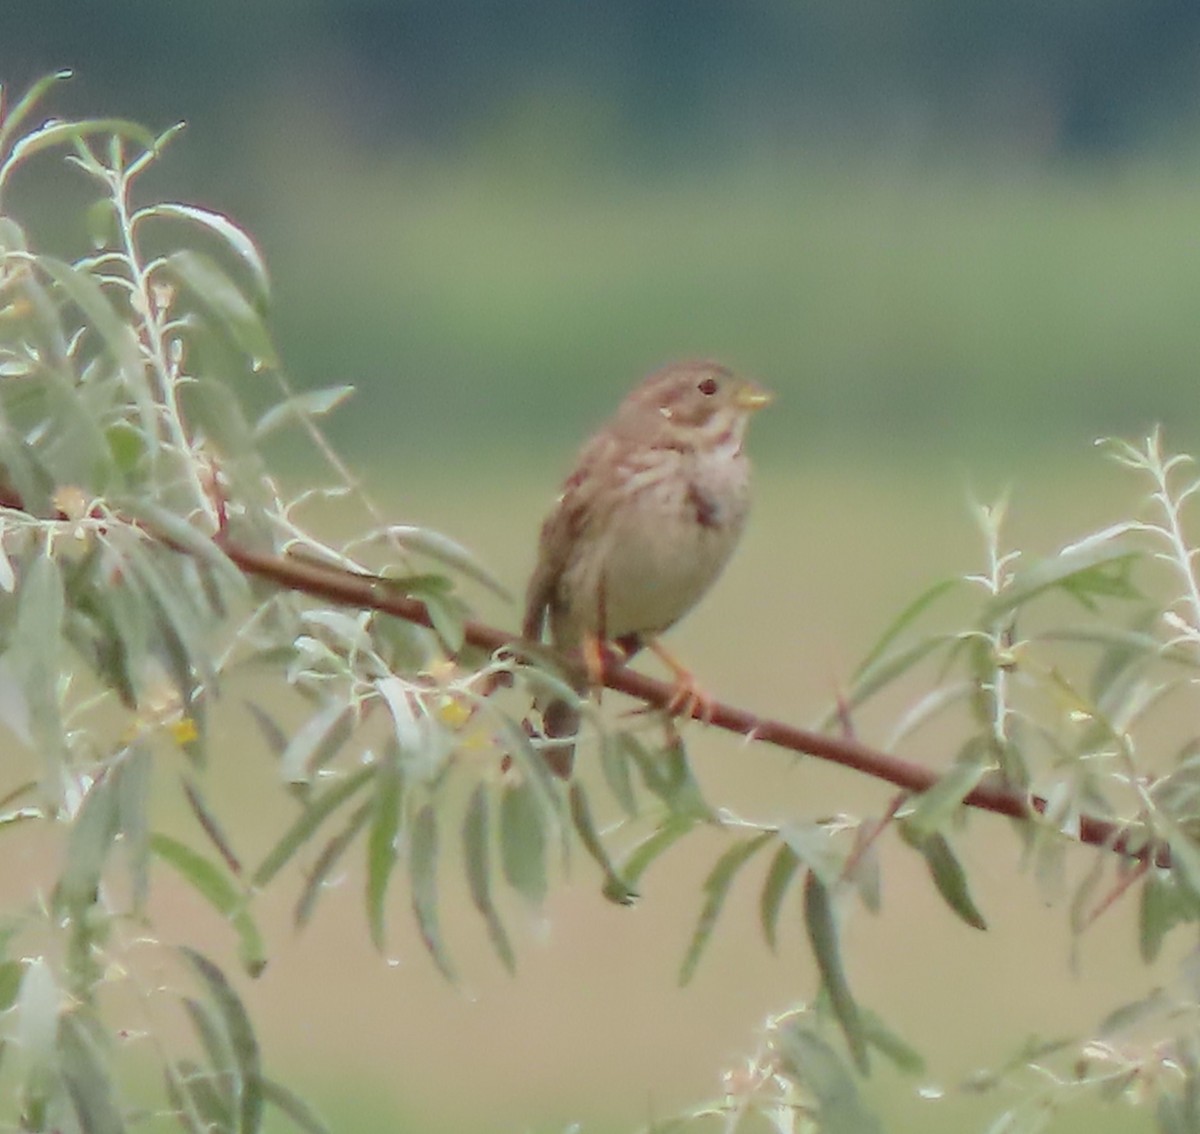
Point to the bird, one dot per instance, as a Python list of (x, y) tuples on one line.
[(644, 524)]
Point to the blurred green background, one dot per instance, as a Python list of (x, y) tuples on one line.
[(958, 239)]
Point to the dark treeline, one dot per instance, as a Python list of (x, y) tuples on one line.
[(1044, 76)]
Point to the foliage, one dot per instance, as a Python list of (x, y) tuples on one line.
[(148, 560)]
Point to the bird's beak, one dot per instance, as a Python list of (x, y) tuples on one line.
[(753, 398)]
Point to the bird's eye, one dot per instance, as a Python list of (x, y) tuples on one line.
[(708, 387)]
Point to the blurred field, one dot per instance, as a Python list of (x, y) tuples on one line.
[(593, 1027), (983, 311)]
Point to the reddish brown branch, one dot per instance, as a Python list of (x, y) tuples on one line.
[(367, 592), (992, 795)]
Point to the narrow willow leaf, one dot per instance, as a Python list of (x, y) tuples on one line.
[(316, 742), (215, 887), (381, 847), (328, 858), (1083, 572), (615, 889), (35, 645), (201, 1105), (133, 817), (118, 336), (477, 855), (11, 975), (881, 673), (213, 289), (949, 877), (523, 841), (300, 407), (820, 922), (16, 114), (88, 1079), (933, 808), (779, 878), (316, 811), (1159, 910), (422, 869), (903, 1056), (217, 1050), (904, 619), (210, 825), (716, 890), (809, 1061), (238, 240), (57, 133), (294, 1107), (276, 739), (812, 843), (614, 763), (668, 775), (449, 552), (643, 854), (864, 875), (92, 836), (240, 1034), (37, 1012), (186, 537)]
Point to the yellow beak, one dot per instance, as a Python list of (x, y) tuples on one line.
[(751, 397)]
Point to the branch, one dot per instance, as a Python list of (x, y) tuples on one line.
[(992, 795), (369, 592)]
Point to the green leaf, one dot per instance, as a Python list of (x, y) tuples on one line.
[(477, 853), (57, 133), (117, 335), (35, 645), (287, 1101), (236, 238), (812, 843), (668, 775), (240, 1034), (820, 922), (15, 115), (948, 876), (903, 620), (933, 808), (316, 742), (614, 763), (215, 291), (317, 809), (215, 887), (210, 825), (808, 1060), (665, 836), (299, 408), (1085, 572), (88, 1079), (779, 877), (93, 833), (133, 808), (615, 888), (422, 869), (11, 975), (716, 889), (328, 859), (1159, 911), (381, 847), (523, 841), (449, 552), (902, 1055)]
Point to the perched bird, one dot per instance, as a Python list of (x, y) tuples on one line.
[(643, 526)]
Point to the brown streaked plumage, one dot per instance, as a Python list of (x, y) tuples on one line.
[(646, 521)]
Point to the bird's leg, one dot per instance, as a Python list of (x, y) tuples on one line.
[(688, 698)]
